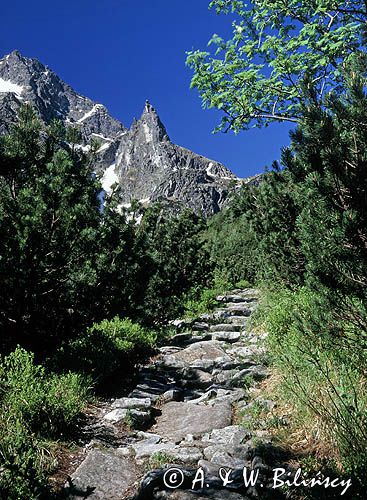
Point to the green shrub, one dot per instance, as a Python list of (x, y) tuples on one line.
[(243, 284), (231, 242), (48, 403), (202, 303), (35, 405), (199, 301), (109, 346), (322, 370), (23, 462)]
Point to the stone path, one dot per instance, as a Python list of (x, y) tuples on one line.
[(185, 404)]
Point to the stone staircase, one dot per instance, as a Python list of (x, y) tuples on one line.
[(185, 404)]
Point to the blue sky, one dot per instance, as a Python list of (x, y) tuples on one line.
[(121, 52)]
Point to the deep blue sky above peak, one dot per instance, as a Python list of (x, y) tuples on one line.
[(122, 52)]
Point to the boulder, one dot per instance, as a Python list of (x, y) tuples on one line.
[(179, 419), (138, 417), (206, 351), (187, 454), (133, 403), (231, 435), (102, 475), (224, 327), (147, 448), (226, 336)]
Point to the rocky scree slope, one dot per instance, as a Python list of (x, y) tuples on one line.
[(185, 404), (139, 163)]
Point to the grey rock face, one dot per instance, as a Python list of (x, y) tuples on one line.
[(102, 475), (132, 403), (147, 448), (9, 104), (233, 434), (154, 169), (27, 80), (179, 419), (136, 164)]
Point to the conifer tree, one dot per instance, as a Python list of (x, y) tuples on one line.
[(49, 216)]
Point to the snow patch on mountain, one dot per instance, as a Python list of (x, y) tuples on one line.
[(104, 147), (109, 179), (7, 86), (90, 113), (148, 133), (100, 136), (209, 173)]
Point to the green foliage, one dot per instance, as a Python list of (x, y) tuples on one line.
[(123, 267), (243, 284), (178, 261), (306, 222), (49, 216), (247, 381), (66, 262), (277, 48), (232, 245), (23, 463), (34, 406), (159, 459), (330, 151), (107, 347), (255, 237), (203, 300), (307, 226), (200, 303), (322, 370), (48, 404)]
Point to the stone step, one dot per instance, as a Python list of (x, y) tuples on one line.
[(140, 417), (180, 339), (201, 380), (197, 336), (152, 382), (231, 298), (177, 420), (103, 474), (184, 339), (227, 336), (224, 327), (140, 393), (238, 320), (200, 326), (132, 403), (153, 376), (238, 309), (247, 292), (169, 349)]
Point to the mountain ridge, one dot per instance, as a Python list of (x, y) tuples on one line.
[(141, 160)]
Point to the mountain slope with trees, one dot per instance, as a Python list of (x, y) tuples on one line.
[(302, 231), (89, 288)]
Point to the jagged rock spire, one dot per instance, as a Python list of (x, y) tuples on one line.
[(146, 164), (149, 126)]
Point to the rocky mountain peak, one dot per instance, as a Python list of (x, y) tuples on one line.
[(14, 55), (142, 160), (149, 127), (31, 81), (20, 70)]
